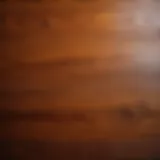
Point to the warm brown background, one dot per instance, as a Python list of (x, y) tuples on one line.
[(80, 70)]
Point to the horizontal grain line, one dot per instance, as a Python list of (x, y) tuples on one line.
[(71, 61)]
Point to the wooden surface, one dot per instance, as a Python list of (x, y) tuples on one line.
[(74, 70)]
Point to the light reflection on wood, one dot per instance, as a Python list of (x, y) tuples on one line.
[(85, 59)]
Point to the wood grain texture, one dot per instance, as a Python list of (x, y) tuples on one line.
[(74, 70)]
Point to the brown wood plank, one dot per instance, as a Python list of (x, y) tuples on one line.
[(80, 70)]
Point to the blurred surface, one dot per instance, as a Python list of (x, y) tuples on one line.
[(79, 76)]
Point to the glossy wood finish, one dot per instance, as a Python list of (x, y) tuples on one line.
[(75, 70)]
